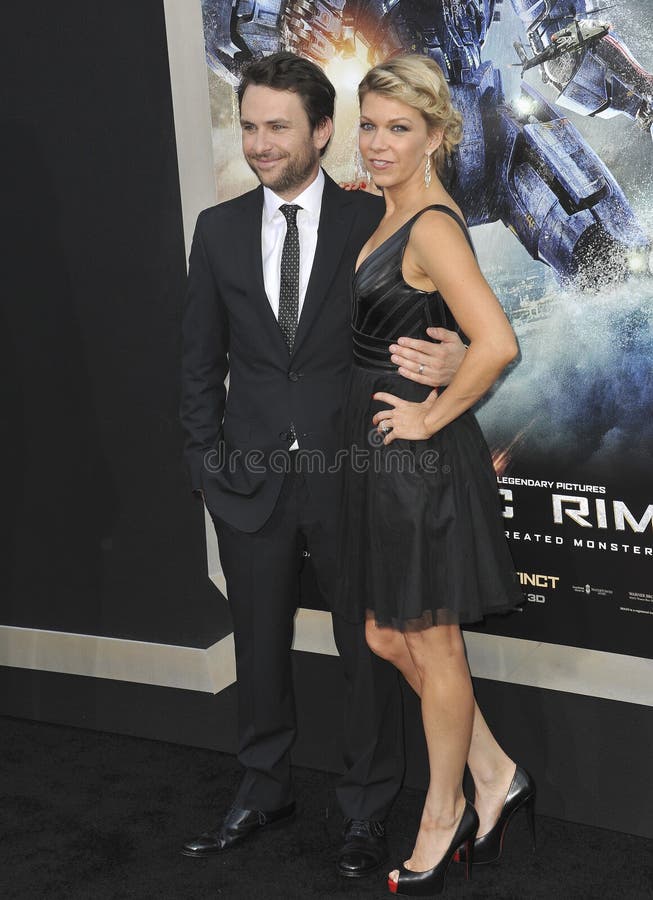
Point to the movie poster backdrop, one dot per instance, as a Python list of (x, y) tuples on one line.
[(570, 425)]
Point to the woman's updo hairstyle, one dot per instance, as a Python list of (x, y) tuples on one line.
[(419, 82)]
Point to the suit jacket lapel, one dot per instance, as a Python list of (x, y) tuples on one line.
[(332, 236)]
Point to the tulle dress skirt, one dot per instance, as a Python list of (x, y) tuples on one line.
[(421, 537)]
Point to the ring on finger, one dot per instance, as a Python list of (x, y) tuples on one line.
[(420, 369), (385, 428)]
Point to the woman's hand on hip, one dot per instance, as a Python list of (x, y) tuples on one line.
[(404, 419)]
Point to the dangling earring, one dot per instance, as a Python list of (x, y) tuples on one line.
[(427, 171)]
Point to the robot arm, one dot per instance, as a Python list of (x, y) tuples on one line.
[(561, 200), (585, 60)]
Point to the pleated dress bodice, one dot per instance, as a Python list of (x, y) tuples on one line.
[(386, 307)]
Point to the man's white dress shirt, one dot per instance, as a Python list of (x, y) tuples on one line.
[(273, 234)]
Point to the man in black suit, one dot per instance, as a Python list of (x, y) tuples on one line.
[(269, 303)]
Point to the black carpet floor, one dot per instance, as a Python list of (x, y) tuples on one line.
[(90, 815)]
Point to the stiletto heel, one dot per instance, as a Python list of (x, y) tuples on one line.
[(469, 859), (530, 815), (521, 794), (431, 882)]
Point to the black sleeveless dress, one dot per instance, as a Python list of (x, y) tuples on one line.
[(421, 536)]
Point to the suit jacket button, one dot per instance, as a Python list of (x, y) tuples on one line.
[(283, 435), (293, 376)]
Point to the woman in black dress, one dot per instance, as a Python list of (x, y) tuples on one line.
[(422, 543)]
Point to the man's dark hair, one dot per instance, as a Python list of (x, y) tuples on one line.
[(288, 72)]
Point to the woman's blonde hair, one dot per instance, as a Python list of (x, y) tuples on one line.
[(419, 82)]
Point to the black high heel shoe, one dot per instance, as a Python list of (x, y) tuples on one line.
[(425, 884), (521, 794)]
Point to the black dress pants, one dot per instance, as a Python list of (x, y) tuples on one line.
[(262, 573)]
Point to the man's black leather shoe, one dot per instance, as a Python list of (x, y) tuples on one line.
[(238, 824), (363, 848)]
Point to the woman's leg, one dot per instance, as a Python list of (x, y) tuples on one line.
[(438, 654), (389, 644), (491, 768), (492, 771)]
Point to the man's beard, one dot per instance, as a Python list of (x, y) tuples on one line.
[(294, 175)]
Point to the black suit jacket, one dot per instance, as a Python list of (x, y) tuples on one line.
[(229, 327)]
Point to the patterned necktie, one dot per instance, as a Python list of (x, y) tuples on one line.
[(289, 282)]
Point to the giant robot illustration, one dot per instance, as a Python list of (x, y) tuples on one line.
[(523, 163)]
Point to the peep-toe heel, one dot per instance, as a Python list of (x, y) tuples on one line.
[(431, 882)]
